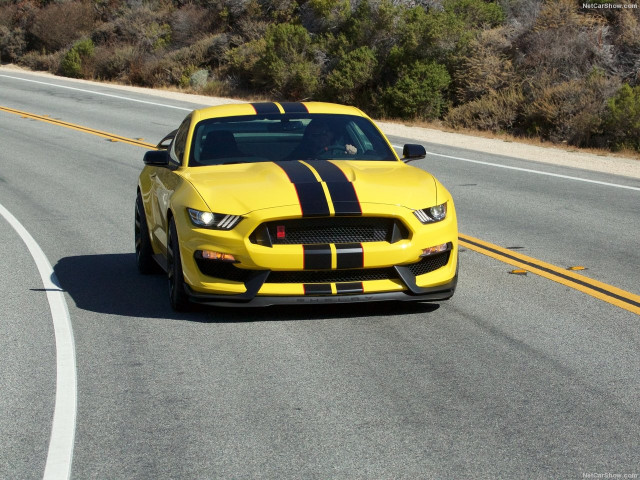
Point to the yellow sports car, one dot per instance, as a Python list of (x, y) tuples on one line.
[(292, 203)]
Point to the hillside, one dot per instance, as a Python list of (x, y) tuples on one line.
[(561, 71)]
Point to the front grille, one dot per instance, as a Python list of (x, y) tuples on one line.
[(332, 276), (430, 263), (330, 230)]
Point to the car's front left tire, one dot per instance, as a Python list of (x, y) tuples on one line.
[(144, 251), (177, 294)]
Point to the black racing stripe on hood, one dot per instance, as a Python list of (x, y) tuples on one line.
[(311, 196), (265, 107), (343, 193)]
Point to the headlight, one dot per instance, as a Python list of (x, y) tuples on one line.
[(431, 214), (217, 221)]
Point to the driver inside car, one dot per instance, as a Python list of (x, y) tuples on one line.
[(319, 140)]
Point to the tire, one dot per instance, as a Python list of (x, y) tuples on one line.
[(144, 251), (177, 295)]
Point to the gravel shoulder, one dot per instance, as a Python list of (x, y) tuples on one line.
[(606, 163)]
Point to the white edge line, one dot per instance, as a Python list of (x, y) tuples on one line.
[(528, 170), (97, 93), (59, 456)]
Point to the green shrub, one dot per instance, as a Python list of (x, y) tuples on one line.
[(347, 82), (476, 13), (242, 61), (623, 118), (287, 67), (419, 91), (72, 62)]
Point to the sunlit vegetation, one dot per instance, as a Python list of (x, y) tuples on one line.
[(544, 69)]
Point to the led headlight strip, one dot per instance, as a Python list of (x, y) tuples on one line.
[(431, 214), (218, 221)]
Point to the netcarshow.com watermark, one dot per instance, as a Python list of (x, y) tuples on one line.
[(610, 475), (610, 5)]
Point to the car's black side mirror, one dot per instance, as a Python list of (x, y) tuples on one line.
[(166, 141), (413, 152), (156, 158)]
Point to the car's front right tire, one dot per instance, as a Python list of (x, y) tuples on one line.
[(177, 294)]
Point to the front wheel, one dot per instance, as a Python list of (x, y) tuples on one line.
[(144, 251), (177, 295)]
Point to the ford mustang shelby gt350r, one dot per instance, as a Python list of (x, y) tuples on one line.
[(270, 203)]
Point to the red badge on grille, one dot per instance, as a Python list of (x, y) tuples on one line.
[(280, 233)]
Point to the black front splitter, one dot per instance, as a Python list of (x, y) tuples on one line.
[(440, 293)]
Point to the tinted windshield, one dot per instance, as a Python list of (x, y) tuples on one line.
[(273, 138)]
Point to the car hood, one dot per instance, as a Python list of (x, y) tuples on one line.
[(242, 188)]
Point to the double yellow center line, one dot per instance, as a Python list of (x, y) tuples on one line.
[(602, 291), (92, 131)]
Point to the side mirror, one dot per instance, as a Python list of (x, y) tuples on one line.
[(156, 158), (166, 141), (413, 152)]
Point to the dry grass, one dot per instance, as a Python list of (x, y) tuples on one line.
[(505, 137)]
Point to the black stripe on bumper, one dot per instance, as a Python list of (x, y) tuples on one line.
[(350, 255), (317, 288), (349, 288), (317, 257)]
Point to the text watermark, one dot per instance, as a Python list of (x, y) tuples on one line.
[(609, 475), (610, 5)]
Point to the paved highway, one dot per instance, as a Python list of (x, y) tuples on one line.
[(518, 376)]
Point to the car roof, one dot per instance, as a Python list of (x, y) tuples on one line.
[(255, 108)]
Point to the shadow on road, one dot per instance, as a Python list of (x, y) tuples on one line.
[(111, 284)]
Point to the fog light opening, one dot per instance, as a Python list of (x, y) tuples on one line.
[(435, 249), (219, 256)]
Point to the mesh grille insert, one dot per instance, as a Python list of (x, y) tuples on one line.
[(329, 230), (430, 263)]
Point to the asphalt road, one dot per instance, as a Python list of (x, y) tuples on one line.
[(516, 377)]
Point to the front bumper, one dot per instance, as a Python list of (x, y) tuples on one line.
[(433, 294), (371, 271), (249, 298)]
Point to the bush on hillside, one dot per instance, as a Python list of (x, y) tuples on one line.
[(570, 111), (623, 118), (288, 67), (419, 92), (75, 61), (496, 111), (13, 43), (58, 25), (351, 80)]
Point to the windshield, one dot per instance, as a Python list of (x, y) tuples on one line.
[(274, 138)]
